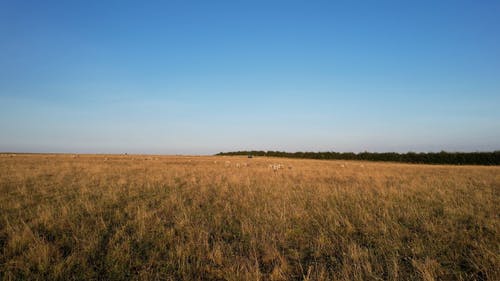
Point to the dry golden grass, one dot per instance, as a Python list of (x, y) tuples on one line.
[(96, 217)]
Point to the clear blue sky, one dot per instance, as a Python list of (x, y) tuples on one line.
[(189, 77)]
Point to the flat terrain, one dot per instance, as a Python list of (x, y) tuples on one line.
[(129, 217)]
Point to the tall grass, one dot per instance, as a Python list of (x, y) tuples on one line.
[(200, 218)]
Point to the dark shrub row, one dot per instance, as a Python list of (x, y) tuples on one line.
[(454, 158)]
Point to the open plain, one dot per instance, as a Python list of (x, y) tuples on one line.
[(147, 217)]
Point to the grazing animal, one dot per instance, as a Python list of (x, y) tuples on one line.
[(276, 167)]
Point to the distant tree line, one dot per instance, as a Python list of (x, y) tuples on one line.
[(443, 157)]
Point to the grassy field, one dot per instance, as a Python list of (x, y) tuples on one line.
[(129, 217)]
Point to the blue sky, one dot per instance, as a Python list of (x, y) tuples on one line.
[(199, 77)]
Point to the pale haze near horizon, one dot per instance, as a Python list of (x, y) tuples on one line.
[(202, 77)]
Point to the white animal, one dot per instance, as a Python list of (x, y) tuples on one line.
[(276, 167)]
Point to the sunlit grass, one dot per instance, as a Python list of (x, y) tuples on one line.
[(203, 218)]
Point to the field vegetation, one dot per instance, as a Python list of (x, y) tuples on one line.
[(443, 157), (132, 217)]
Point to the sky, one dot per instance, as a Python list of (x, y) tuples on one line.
[(200, 77)]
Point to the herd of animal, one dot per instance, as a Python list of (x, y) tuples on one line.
[(273, 166)]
